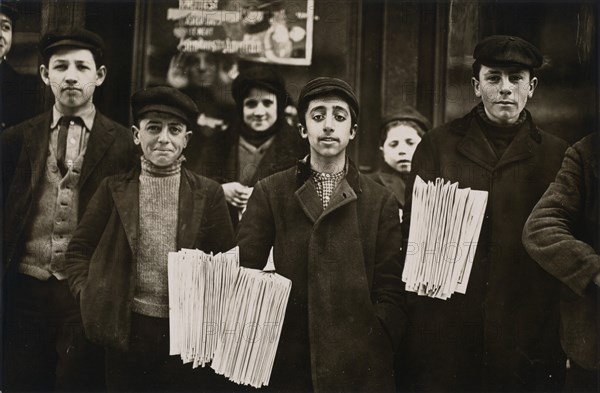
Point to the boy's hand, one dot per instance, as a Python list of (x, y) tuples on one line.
[(236, 194)]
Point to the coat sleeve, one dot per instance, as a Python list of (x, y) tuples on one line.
[(548, 235), (388, 289), (86, 238), (220, 236), (256, 233)]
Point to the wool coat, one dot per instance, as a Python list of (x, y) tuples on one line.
[(502, 334), (110, 150), (561, 234), (101, 257), (345, 313)]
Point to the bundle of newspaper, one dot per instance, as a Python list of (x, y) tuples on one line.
[(444, 230), (226, 314), (253, 325)]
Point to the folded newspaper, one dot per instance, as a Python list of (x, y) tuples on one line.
[(227, 314), (444, 229)]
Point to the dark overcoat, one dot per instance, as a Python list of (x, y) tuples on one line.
[(503, 333), (101, 257), (345, 312), (561, 234), (110, 150)]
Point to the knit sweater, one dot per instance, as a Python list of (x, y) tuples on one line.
[(158, 203)]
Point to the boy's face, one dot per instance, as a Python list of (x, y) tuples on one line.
[(162, 137), (504, 92), (73, 77), (5, 34), (329, 127), (260, 109), (399, 147)]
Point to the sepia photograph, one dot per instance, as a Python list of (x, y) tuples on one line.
[(299, 195)]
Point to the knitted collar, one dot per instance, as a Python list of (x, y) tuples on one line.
[(483, 116), (149, 169)]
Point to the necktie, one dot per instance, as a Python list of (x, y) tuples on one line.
[(61, 146)]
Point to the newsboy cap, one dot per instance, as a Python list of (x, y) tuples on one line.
[(407, 112), (8, 9), (164, 99), (324, 86), (77, 37), (507, 50)]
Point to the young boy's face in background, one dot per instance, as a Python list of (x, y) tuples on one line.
[(162, 137), (73, 77), (328, 126)]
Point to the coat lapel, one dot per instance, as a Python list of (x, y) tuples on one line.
[(309, 200), (101, 137), (191, 202), (343, 195), (126, 198), (521, 148), (476, 147), (37, 138)]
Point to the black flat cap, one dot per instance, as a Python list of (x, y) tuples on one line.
[(507, 50), (323, 86), (407, 112), (259, 76), (77, 37), (8, 9), (164, 99)]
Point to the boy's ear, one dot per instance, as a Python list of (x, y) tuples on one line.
[(476, 84), (136, 134), (101, 75), (44, 75), (188, 136), (353, 131), (303, 131)]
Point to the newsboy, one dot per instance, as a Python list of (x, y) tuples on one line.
[(117, 259), (502, 335), (336, 234), (51, 166)]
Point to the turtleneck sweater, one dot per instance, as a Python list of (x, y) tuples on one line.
[(499, 137), (158, 212)]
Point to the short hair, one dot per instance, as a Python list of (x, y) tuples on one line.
[(96, 54), (302, 108), (476, 67), (388, 126)]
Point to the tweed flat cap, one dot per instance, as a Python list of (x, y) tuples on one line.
[(407, 112), (507, 50), (77, 37), (9, 10), (164, 99), (325, 86)]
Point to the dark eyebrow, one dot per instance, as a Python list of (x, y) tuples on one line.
[(340, 108), (318, 108)]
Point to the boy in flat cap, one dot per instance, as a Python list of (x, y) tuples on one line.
[(51, 166), (502, 335), (401, 132), (335, 233), (117, 259), (15, 89)]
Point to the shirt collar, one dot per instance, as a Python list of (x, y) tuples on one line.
[(304, 172), (87, 115)]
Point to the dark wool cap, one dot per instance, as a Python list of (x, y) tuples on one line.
[(323, 86), (74, 37), (507, 50), (9, 10), (259, 76), (407, 112), (164, 99)]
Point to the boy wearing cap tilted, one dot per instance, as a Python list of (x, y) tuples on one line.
[(51, 166), (335, 233), (502, 335), (117, 259)]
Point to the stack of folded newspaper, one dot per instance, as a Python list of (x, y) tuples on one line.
[(444, 230), (222, 313)]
